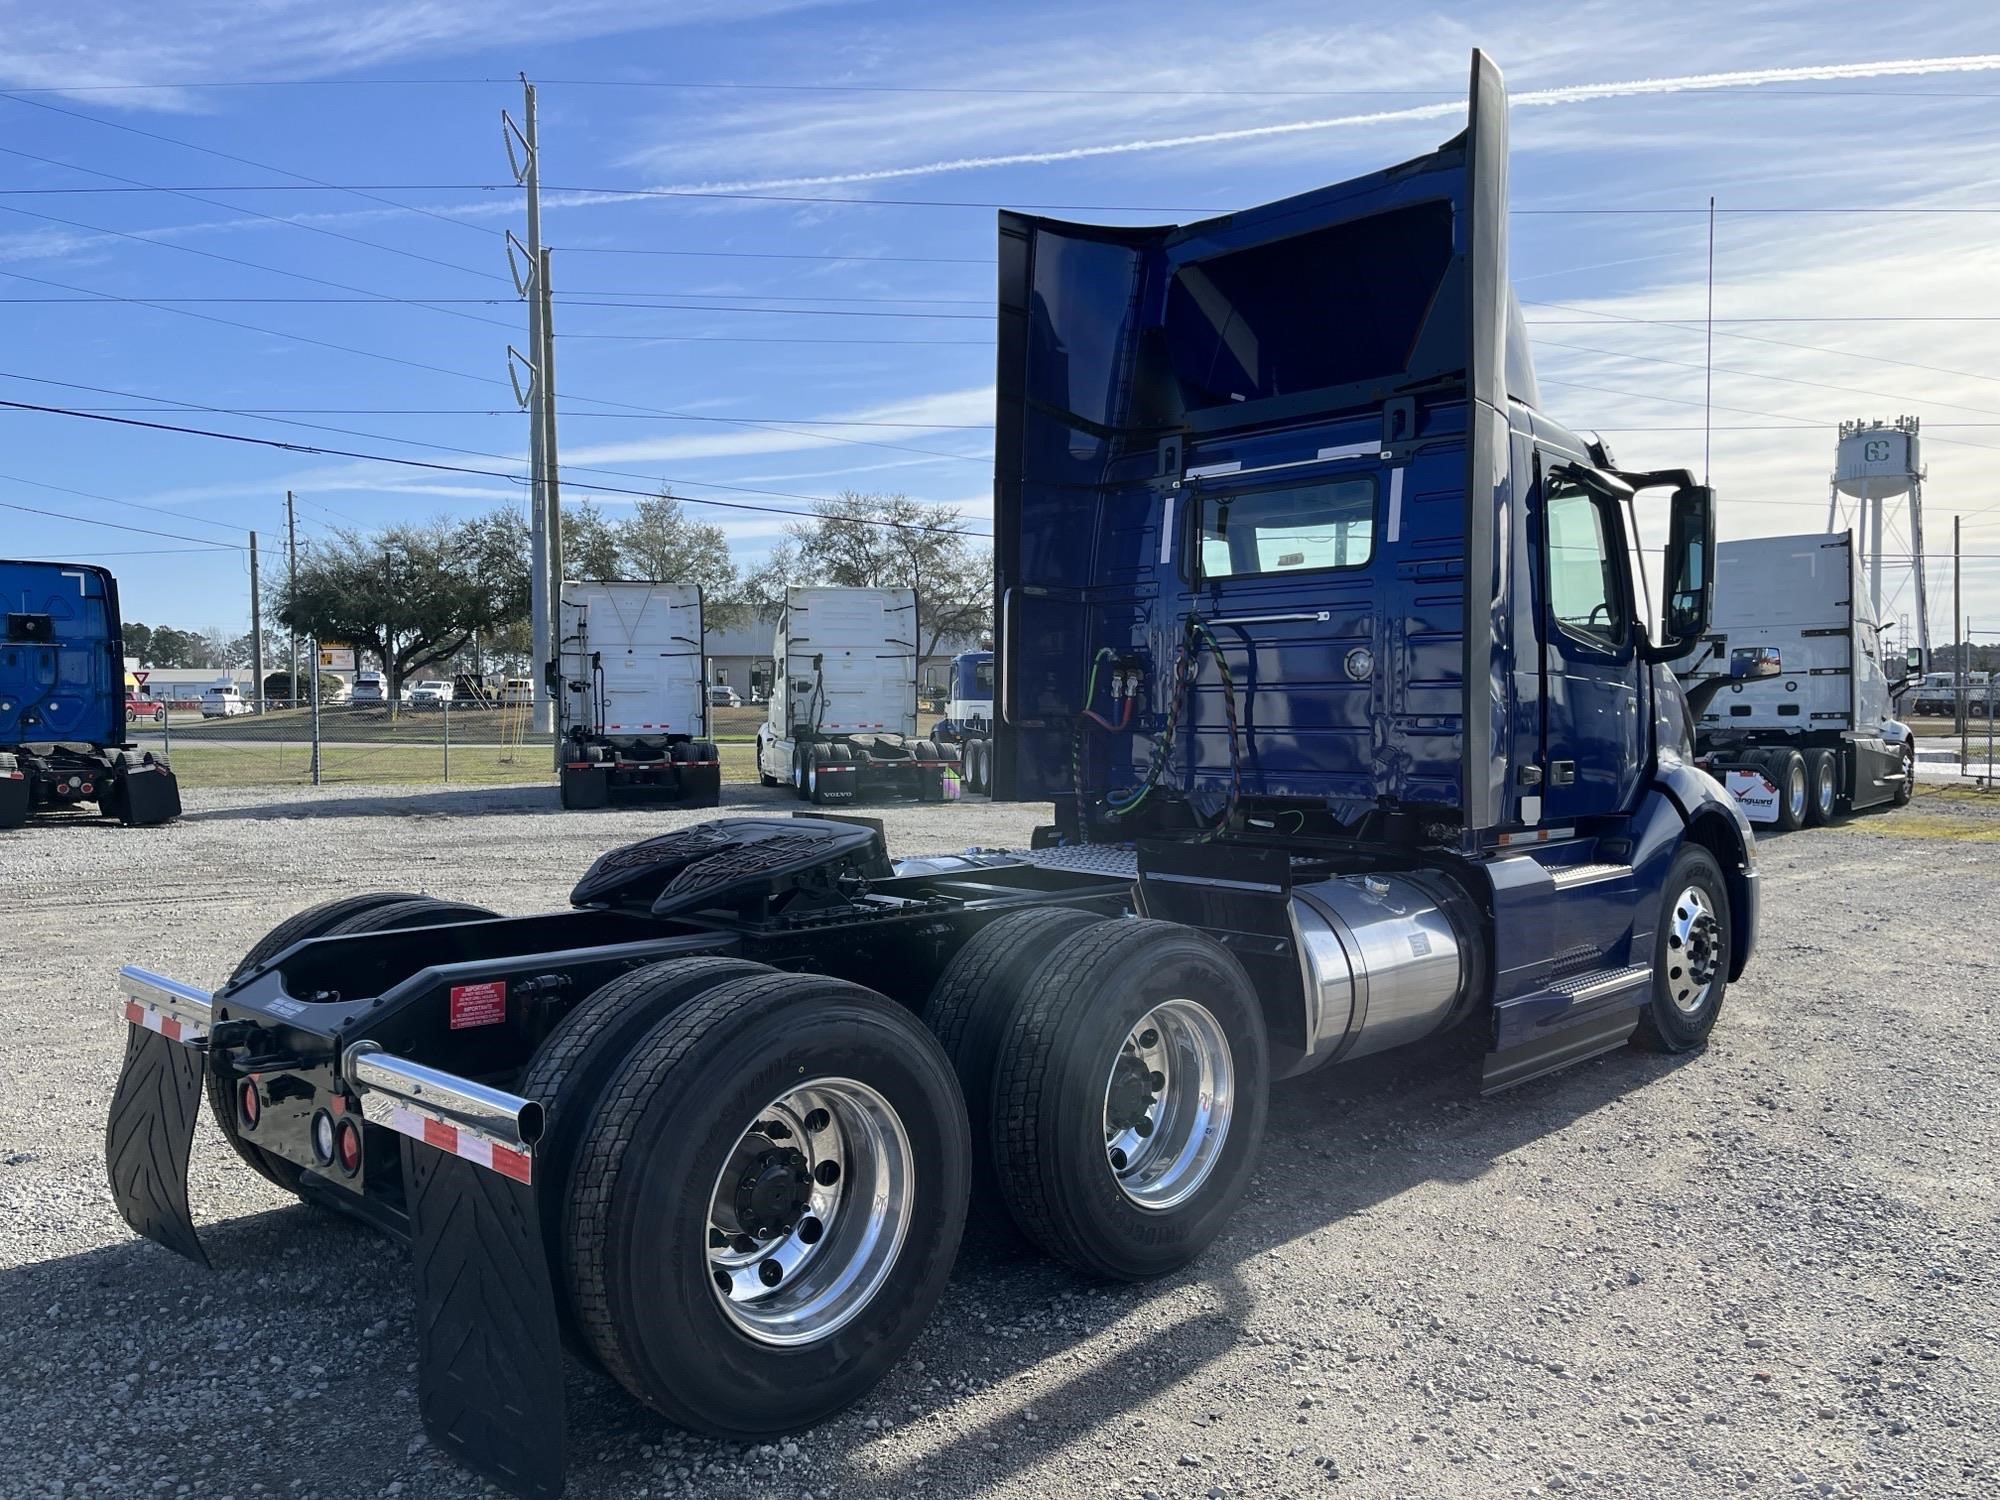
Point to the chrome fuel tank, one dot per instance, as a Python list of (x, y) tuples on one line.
[(1383, 963)]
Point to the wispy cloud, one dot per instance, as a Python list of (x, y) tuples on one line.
[(1568, 94)]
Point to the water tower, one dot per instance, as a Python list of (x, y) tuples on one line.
[(1879, 468)]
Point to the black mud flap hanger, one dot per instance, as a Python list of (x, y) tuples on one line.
[(489, 1366)]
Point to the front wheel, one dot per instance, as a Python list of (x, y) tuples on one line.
[(1690, 956), (768, 1203), (1128, 1097), (1909, 787)]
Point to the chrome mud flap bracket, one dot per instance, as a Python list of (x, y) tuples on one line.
[(489, 1357), (153, 1110)]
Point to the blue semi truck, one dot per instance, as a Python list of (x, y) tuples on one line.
[(1324, 642), (63, 704), (968, 718)]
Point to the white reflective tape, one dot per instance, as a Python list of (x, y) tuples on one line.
[(167, 1026)]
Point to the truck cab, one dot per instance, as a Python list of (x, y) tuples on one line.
[(842, 718), (968, 717), (66, 699), (1291, 558)]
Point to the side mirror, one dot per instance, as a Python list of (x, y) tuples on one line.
[(1687, 589), (1914, 661)]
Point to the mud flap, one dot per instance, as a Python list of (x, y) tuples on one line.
[(147, 1140), (489, 1359), (584, 787), (150, 795)]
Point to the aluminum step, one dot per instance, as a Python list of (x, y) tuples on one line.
[(1566, 876)]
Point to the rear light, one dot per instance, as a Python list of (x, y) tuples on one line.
[(322, 1133), (249, 1107), (347, 1146)]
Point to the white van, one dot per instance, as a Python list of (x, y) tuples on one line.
[(222, 700)]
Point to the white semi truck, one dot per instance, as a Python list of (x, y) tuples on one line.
[(843, 713), (1789, 691), (634, 701)]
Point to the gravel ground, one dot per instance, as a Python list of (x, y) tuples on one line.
[(1768, 1269)]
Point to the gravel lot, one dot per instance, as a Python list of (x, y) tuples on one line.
[(1768, 1269)]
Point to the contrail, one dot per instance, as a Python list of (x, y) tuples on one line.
[(1569, 94)]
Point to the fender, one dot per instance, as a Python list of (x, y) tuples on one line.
[(1715, 821)]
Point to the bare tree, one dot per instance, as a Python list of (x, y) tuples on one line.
[(892, 541), (659, 540)]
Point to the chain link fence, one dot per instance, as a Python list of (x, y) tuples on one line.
[(348, 743)]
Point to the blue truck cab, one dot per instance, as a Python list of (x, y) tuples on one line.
[(1292, 563), (968, 718), (62, 701)]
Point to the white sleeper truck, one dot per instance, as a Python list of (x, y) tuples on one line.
[(1790, 693), (843, 711), (634, 705)]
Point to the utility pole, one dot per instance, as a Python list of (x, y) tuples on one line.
[(1960, 652), (256, 628), (541, 609), (545, 370), (292, 595)]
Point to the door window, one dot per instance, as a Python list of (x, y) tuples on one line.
[(1584, 594), (1296, 529)]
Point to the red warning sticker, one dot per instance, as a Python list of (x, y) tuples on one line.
[(478, 1004)]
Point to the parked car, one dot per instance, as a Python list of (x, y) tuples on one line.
[(429, 694), (722, 695), (222, 700), (517, 691), (369, 687)]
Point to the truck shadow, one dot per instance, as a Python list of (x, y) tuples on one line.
[(309, 1316)]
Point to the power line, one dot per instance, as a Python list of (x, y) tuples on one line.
[(153, 135), (146, 239), (416, 463), (606, 416), (1748, 90), (158, 510), (99, 552), (120, 526), (134, 184), (1609, 319), (632, 191)]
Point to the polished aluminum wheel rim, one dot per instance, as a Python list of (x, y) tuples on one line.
[(1795, 790), (1694, 950), (1824, 790), (1168, 1103), (810, 1211)]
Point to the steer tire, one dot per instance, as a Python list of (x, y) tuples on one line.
[(1908, 789), (1056, 1072), (219, 1081), (569, 1071), (637, 1231), (971, 1003), (1666, 1025)]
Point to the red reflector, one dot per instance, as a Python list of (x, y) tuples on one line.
[(347, 1145), (248, 1105)]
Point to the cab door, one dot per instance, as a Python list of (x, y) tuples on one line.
[(1593, 735)]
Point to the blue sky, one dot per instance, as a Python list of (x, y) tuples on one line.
[(740, 330)]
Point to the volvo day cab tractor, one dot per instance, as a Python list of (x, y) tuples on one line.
[(1321, 638), (967, 724), (842, 720), (1792, 696), (64, 705), (635, 703)]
